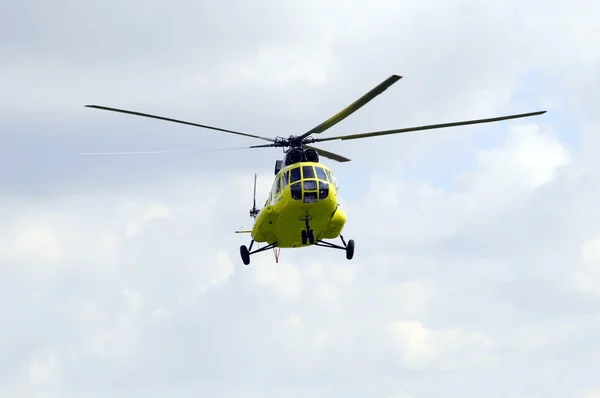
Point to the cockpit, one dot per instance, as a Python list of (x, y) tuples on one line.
[(308, 183)]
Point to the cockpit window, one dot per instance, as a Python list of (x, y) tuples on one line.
[(284, 181), (329, 176), (308, 172), (321, 173), (296, 190), (295, 174), (310, 185), (323, 190)]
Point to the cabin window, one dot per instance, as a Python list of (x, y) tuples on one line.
[(284, 179), (321, 173), (295, 174), (308, 172), (332, 179), (323, 190), (296, 191), (277, 186)]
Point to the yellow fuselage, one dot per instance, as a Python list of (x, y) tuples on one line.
[(300, 191)]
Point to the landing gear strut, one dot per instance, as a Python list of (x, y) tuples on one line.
[(348, 247), (308, 234), (245, 252)]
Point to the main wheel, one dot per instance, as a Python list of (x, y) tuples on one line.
[(245, 254), (350, 249)]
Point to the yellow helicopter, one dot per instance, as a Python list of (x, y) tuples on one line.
[(303, 206)]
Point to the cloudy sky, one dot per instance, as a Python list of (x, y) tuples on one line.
[(477, 264)]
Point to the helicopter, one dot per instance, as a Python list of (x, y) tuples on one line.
[(303, 207)]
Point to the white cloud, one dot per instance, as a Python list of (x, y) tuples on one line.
[(587, 276), (401, 394), (179, 289), (283, 278), (592, 394), (38, 244), (294, 321), (44, 369), (283, 66), (528, 160), (421, 346), (130, 266)]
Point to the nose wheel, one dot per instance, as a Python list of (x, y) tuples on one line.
[(308, 236)]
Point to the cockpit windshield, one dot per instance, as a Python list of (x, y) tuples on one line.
[(295, 174), (321, 175), (308, 172), (310, 186)]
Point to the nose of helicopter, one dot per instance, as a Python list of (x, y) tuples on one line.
[(310, 186)]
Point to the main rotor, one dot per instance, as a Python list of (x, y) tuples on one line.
[(304, 140)]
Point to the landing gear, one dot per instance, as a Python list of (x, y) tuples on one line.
[(308, 235), (348, 247), (245, 252)]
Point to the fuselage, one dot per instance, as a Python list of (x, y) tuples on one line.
[(301, 191)]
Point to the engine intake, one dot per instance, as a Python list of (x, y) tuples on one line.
[(294, 155), (311, 155)]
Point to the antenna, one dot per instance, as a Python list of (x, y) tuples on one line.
[(254, 211)]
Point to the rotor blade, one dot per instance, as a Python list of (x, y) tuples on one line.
[(178, 121), (160, 152), (362, 101), (427, 127), (327, 154)]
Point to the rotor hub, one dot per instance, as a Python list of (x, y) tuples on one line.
[(293, 141)]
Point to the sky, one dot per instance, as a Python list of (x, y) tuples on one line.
[(477, 262)]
